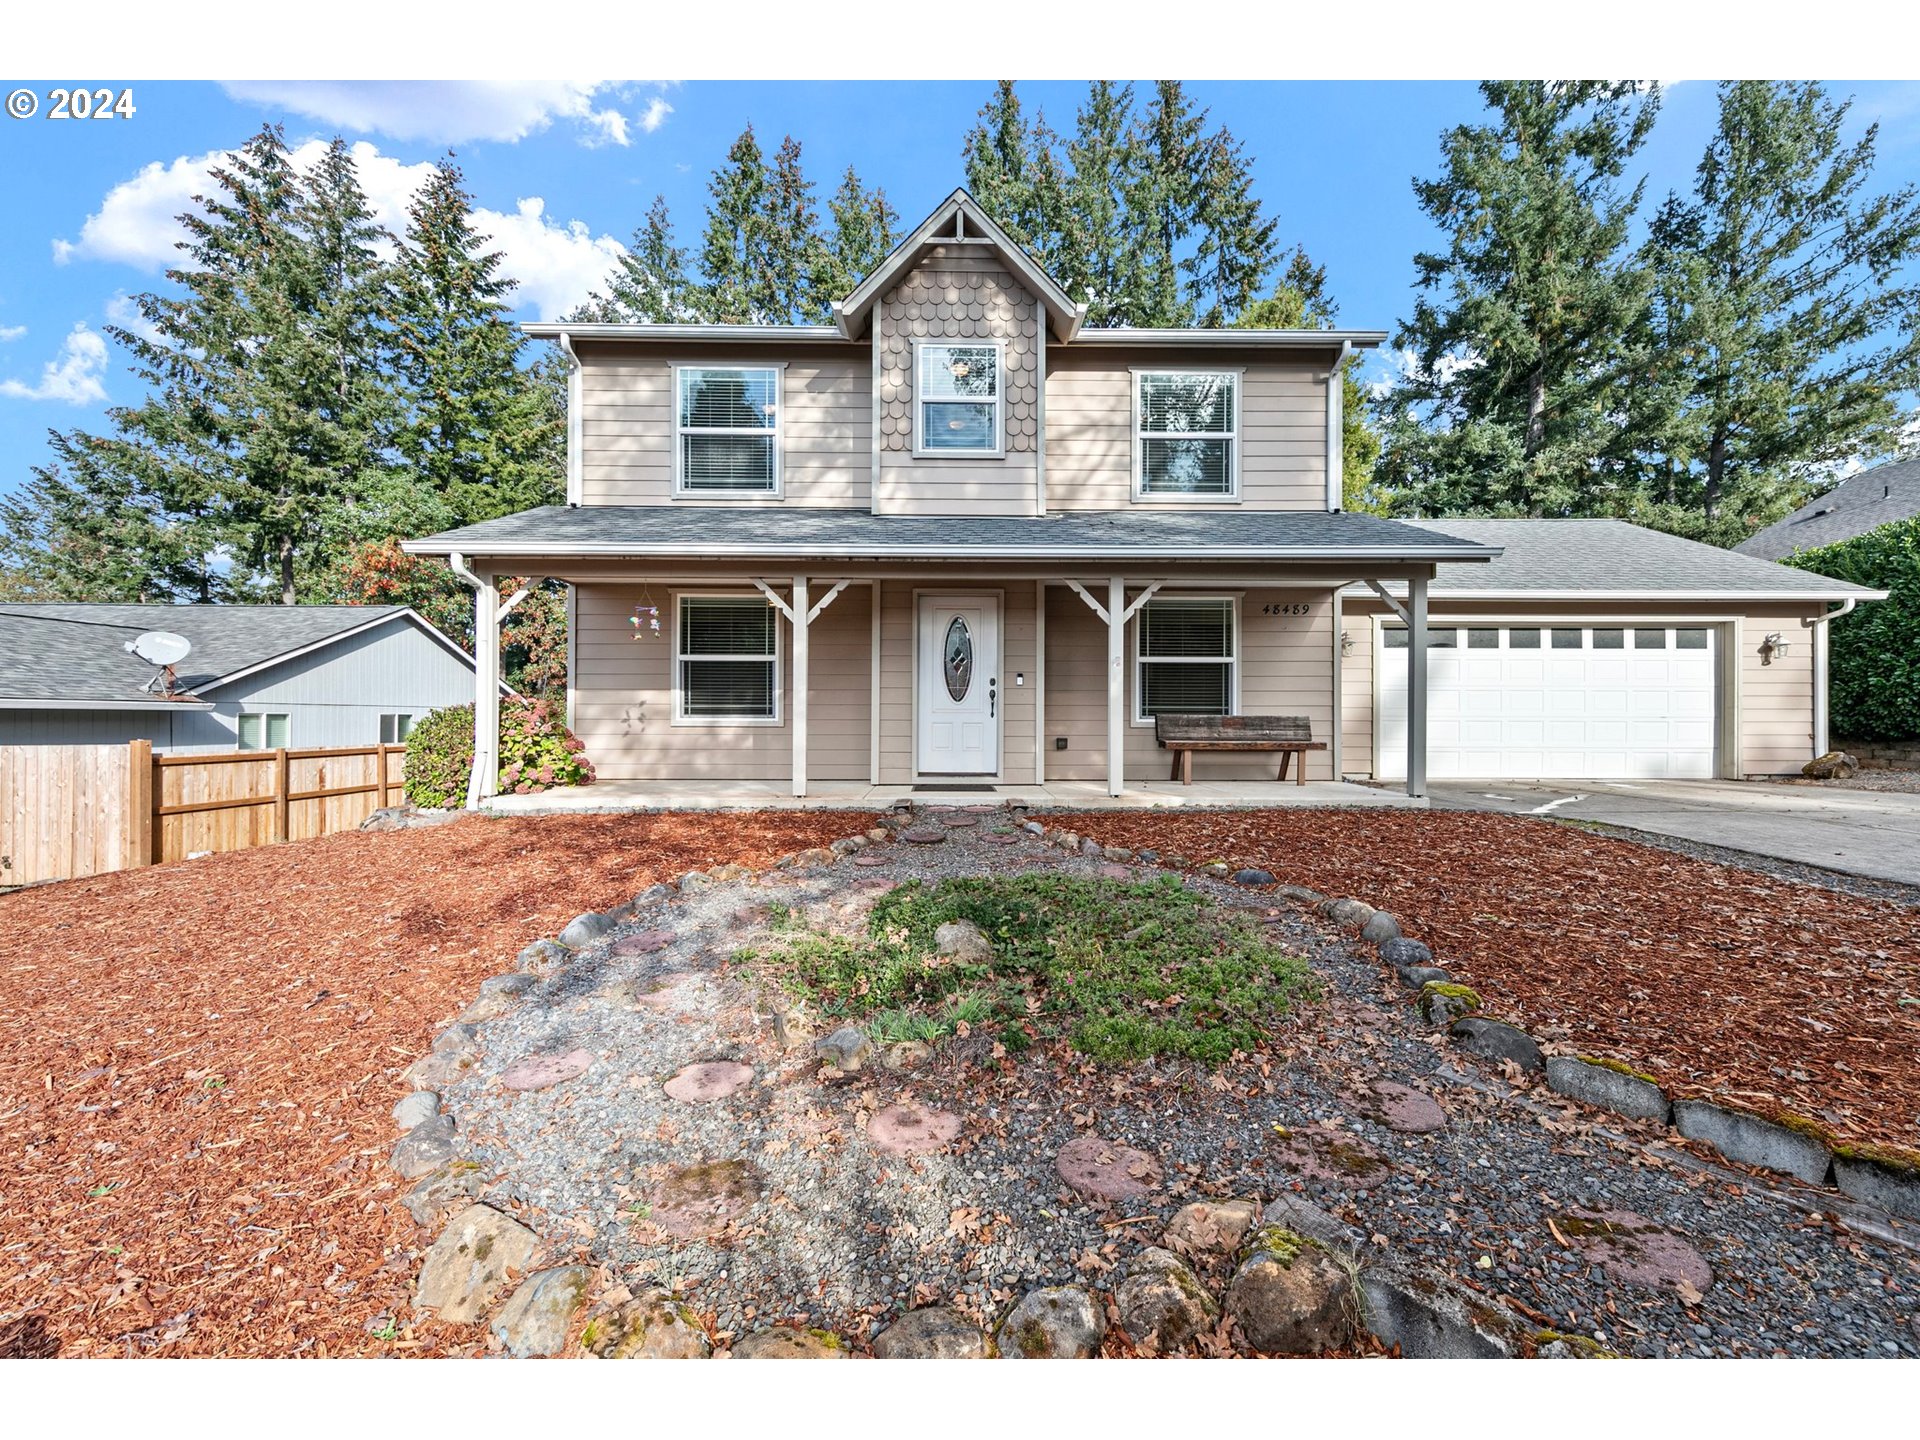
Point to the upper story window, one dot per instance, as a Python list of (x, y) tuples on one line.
[(728, 424), (1186, 434), (957, 399)]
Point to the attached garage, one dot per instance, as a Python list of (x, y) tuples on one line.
[(1586, 701), (1594, 650)]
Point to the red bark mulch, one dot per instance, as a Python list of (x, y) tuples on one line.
[(197, 1062), (1786, 998)]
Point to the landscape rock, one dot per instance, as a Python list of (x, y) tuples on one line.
[(436, 1072), (1753, 1141), (911, 1129), (647, 942), (708, 1080), (535, 1321), (655, 894), (447, 1191), (1327, 1156), (1217, 869), (1606, 1088), (906, 1054), (584, 930), (1380, 927), (387, 817), (1834, 765), (415, 1109), (879, 834), (1300, 894), (1347, 912), (650, 1326), (964, 941), (457, 1039), (424, 1148), (1635, 1251), (1432, 1319), (1119, 854), (1290, 1297), (1441, 1002), (699, 1200), (932, 1333), (1895, 1188), (1212, 1227), (1162, 1303), (1492, 1040), (1301, 1216), (1090, 847), (467, 1268), (543, 1072), (1252, 877), (694, 880), (1107, 1170), (543, 957), (782, 1343), (848, 844), (1057, 1322), (847, 1048), (1418, 977), (1400, 952), (1409, 1111)]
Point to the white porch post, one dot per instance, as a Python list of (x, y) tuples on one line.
[(801, 627), (1417, 686), (1116, 684), (484, 780)]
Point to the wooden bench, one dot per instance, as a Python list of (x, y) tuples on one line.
[(1184, 734)]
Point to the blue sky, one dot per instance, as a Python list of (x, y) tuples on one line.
[(563, 173)]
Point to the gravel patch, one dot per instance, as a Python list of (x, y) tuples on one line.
[(808, 1221)]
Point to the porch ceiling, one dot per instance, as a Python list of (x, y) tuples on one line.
[(791, 533)]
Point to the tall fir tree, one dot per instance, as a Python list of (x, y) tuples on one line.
[(1504, 406), (865, 227), (1166, 196), (1235, 250), (1787, 319), (650, 283), (480, 438), (1100, 264), (998, 154), (736, 263), (796, 253)]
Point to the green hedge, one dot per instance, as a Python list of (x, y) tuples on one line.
[(537, 752), (1874, 655)]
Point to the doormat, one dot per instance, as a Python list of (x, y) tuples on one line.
[(939, 789)]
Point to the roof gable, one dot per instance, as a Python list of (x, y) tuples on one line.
[(959, 220)]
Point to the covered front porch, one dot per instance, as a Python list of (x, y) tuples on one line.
[(621, 796)]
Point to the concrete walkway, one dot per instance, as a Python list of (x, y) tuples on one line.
[(1858, 832), (624, 795)]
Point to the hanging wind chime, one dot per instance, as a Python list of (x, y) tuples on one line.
[(645, 618)]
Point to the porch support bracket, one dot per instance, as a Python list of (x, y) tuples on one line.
[(826, 600), (773, 599), (1092, 604), (1392, 604), (513, 602)]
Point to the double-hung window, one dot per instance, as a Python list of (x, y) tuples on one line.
[(1185, 654), (1187, 435), (261, 731), (957, 398), (727, 429), (728, 660)]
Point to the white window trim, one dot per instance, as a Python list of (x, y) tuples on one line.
[(1138, 717), (778, 489), (680, 717), (265, 716), (999, 450), (1143, 496)]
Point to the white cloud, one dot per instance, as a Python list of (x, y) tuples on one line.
[(656, 114), (557, 264), (73, 375), (451, 112), (11, 332)]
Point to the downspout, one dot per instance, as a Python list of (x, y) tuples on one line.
[(574, 485), (1818, 624), (1336, 430)]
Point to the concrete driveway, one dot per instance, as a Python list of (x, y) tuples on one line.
[(1860, 832)]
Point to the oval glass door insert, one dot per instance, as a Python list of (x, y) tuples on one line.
[(959, 659)]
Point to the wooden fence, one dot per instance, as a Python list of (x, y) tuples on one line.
[(73, 810)]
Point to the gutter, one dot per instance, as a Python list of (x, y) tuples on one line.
[(1056, 553), (1336, 431)]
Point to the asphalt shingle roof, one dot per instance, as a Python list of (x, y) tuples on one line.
[(1613, 556), (1856, 505), (781, 530), (78, 652)]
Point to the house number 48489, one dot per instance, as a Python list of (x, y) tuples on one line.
[(1296, 608)]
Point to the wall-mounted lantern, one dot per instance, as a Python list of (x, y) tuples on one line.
[(1773, 648)]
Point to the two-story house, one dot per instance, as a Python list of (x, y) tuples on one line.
[(957, 538)]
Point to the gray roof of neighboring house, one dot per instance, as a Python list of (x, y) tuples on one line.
[(77, 653), (1613, 558), (1856, 505), (693, 531)]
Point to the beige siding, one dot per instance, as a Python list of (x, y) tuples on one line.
[(623, 703), (958, 293), (1774, 702), (627, 424), (1283, 427), (1286, 668)]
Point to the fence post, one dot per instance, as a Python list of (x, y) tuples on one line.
[(282, 786), (380, 759), (140, 804)]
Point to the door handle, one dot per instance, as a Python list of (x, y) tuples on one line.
[(992, 698)]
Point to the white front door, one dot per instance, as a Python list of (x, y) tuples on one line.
[(957, 693)]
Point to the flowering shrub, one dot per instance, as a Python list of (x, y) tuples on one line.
[(537, 752)]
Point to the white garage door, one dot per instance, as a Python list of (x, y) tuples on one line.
[(1561, 702)]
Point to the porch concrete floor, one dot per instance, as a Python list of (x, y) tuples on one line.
[(622, 795)]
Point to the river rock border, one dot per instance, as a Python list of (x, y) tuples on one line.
[(1867, 1174)]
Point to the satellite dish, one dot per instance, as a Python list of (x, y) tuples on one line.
[(160, 647)]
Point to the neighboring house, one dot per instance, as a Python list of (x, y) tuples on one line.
[(1856, 505), (258, 677), (955, 537)]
